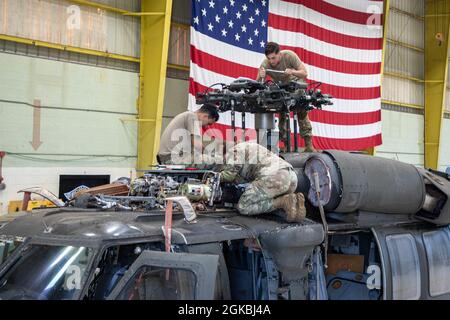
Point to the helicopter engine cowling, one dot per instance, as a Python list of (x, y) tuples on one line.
[(351, 182)]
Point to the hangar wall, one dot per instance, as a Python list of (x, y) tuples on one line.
[(87, 101), (402, 91), (81, 131), (403, 88)]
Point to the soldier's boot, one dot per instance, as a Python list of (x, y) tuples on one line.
[(293, 206), (309, 145)]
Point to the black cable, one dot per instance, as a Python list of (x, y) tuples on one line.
[(213, 85), (32, 156), (67, 109), (316, 83)]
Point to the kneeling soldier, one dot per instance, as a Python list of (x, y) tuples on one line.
[(272, 181)]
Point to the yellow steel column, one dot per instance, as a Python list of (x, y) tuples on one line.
[(386, 10), (154, 49), (436, 65)]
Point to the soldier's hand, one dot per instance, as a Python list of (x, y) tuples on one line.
[(289, 71), (262, 73), (227, 176)]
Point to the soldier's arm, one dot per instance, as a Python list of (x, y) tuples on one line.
[(297, 69), (300, 72), (229, 174), (261, 76)]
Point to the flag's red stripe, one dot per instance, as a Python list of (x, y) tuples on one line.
[(347, 144), (323, 116), (355, 144), (234, 70), (339, 12), (222, 66), (347, 93), (341, 118), (311, 30), (195, 87), (332, 64), (319, 142)]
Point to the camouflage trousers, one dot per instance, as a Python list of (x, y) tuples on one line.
[(258, 198), (305, 128)]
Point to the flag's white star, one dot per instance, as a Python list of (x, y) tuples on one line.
[(225, 10), (232, 3), (211, 4), (251, 1), (251, 20), (263, 3), (256, 32), (210, 27), (237, 37), (224, 32), (196, 21), (250, 41), (204, 12), (257, 11), (244, 28), (244, 7), (217, 18), (230, 24), (262, 43), (238, 15), (263, 23)]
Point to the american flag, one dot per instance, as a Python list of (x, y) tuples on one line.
[(339, 41)]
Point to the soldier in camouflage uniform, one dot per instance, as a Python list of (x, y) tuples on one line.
[(294, 70), (272, 181)]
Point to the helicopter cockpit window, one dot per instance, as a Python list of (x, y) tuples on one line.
[(46, 272), (405, 266), (437, 246), (155, 283)]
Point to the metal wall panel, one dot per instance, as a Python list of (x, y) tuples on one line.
[(67, 56), (405, 26), (179, 44), (50, 20), (406, 29), (416, 7), (402, 137), (182, 11), (405, 61), (402, 91), (130, 5)]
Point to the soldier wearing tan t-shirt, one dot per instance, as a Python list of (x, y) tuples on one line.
[(181, 139), (294, 70)]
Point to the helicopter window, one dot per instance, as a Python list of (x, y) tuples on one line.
[(156, 283), (113, 264), (46, 273), (437, 245), (405, 264)]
